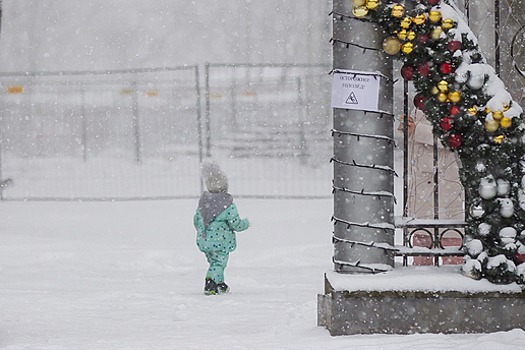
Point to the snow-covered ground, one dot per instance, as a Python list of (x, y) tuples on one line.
[(127, 275)]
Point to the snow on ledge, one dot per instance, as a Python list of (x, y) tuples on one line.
[(417, 279)]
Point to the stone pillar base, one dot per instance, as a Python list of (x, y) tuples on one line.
[(347, 312)]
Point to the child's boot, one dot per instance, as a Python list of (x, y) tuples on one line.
[(210, 287), (223, 288)]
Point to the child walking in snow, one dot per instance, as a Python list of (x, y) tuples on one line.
[(216, 221)]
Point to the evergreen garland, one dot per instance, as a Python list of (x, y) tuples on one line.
[(474, 116)]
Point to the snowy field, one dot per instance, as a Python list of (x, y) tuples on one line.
[(127, 275)]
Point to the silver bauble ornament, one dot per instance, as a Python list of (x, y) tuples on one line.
[(474, 247), (507, 235), (476, 82), (484, 229), (476, 211), (472, 269), (487, 188), (507, 207), (503, 187)]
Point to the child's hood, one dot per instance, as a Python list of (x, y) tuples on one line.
[(212, 204)]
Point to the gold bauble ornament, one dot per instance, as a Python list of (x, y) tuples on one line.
[(487, 110), (506, 107), (398, 11), (407, 48), (391, 45), (360, 11), (442, 86), (454, 96), (419, 19), (436, 33), (372, 4), (505, 122), (434, 16), (402, 34), (442, 97), (491, 125), (405, 22), (447, 23), (497, 115), (411, 35), (472, 111), (499, 139), (358, 3), (434, 90)]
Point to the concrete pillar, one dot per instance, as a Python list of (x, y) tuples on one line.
[(361, 163)]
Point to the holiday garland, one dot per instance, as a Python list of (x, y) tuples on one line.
[(474, 116)]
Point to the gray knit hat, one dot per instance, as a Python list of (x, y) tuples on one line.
[(214, 177)]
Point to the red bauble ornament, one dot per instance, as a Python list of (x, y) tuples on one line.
[(454, 45), (454, 110), (423, 38), (418, 101), (454, 141), (445, 68), (433, 2), (445, 124), (520, 257), (423, 69), (407, 72)]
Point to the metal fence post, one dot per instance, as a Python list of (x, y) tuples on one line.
[(1, 136), (83, 118), (406, 238), (1, 154), (497, 48), (199, 121), (233, 101), (303, 149), (136, 123), (207, 121)]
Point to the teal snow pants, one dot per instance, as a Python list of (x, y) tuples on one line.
[(218, 261)]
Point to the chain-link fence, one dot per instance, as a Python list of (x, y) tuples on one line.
[(100, 135), (271, 123), (136, 134)]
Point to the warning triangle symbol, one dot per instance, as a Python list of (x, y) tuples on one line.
[(352, 100)]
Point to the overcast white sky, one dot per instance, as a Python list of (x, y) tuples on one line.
[(100, 34)]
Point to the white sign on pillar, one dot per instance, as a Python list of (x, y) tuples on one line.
[(355, 90)]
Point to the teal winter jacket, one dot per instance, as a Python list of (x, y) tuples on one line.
[(219, 233)]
